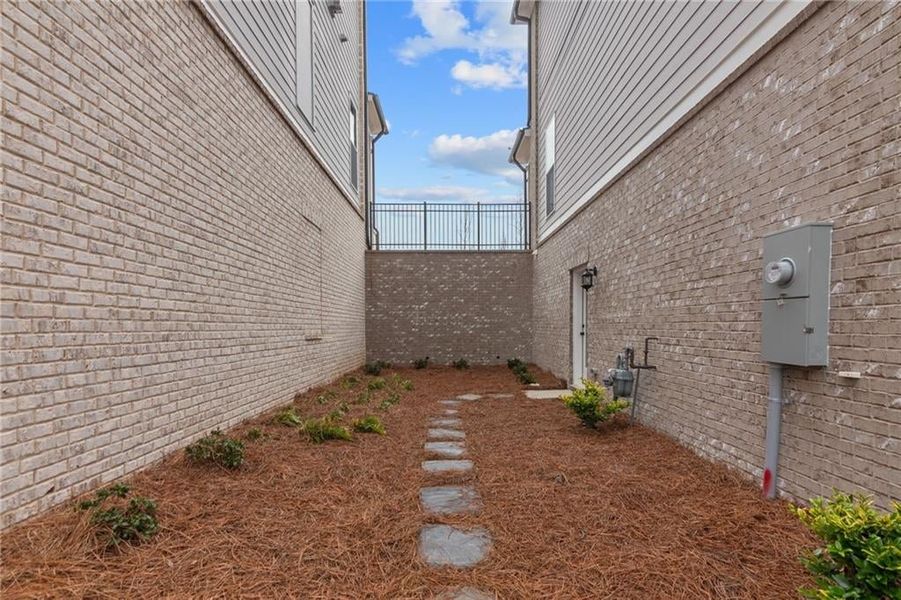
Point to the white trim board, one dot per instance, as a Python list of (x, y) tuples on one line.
[(769, 28), (352, 199)]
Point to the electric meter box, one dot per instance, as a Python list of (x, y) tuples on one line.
[(795, 320)]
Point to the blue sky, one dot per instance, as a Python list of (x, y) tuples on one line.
[(451, 77)]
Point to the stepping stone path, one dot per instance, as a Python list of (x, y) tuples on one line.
[(445, 545), (439, 466), (447, 449), (450, 499), (446, 434)]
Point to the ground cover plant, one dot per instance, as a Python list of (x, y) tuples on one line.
[(322, 429), (369, 424), (217, 449), (861, 555), (421, 363), (627, 515), (117, 518), (521, 370), (461, 364), (376, 367), (591, 405)]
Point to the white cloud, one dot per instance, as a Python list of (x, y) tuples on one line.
[(491, 75), (500, 46), (445, 193), (486, 155)]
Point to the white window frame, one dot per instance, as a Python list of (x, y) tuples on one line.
[(550, 157), (354, 146)]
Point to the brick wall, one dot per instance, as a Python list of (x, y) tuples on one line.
[(173, 258), (448, 305), (812, 131)]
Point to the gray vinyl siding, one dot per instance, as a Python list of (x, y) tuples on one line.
[(609, 71), (264, 31)]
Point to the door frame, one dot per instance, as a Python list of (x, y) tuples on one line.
[(578, 348)]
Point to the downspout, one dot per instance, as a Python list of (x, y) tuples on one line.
[(525, 201), (367, 222), (773, 430)]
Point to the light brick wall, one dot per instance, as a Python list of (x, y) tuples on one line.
[(448, 305), (810, 132), (162, 227)]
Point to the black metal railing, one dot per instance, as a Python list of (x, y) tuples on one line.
[(430, 226)]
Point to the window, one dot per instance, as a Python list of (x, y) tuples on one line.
[(303, 55), (549, 157), (353, 146)]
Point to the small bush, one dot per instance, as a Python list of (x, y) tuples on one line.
[(461, 364), (861, 559), (590, 403), (349, 382), (255, 433), (390, 401), (407, 385), (288, 417), (513, 363), (217, 449), (118, 521), (320, 430), (369, 424), (376, 367), (526, 377), (376, 383), (325, 396), (421, 363)]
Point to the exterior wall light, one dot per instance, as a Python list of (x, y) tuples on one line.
[(588, 276), (334, 7)]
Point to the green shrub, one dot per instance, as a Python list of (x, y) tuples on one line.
[(375, 367), (288, 416), (421, 363), (513, 363), (590, 403), (407, 385), (861, 559), (376, 383), (369, 424), (118, 521), (391, 400), (255, 433), (349, 382), (526, 377), (320, 430), (461, 364), (363, 397), (217, 449), (325, 396)]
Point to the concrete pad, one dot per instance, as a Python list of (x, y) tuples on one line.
[(446, 546), (469, 397), (439, 433), (446, 449), (545, 394), (465, 593), (446, 422), (446, 466), (450, 499)]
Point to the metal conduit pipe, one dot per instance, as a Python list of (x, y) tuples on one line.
[(773, 431)]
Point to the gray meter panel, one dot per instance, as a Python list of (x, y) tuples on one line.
[(795, 315)]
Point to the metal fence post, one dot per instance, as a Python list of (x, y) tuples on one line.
[(425, 226), (478, 225)]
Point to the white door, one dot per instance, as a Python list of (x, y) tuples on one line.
[(579, 334)]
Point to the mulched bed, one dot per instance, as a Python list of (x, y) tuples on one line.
[(622, 512)]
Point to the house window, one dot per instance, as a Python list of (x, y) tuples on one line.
[(353, 145), (303, 55), (549, 157)]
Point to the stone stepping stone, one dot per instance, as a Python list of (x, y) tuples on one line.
[(501, 396), (450, 499), (446, 546), (447, 449), (438, 433), (545, 394), (465, 593), (446, 466), (446, 422), (450, 402), (469, 397), (451, 411)]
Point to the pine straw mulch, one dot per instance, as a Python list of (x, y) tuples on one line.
[(622, 512)]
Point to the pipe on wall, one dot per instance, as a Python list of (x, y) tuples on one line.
[(773, 431)]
